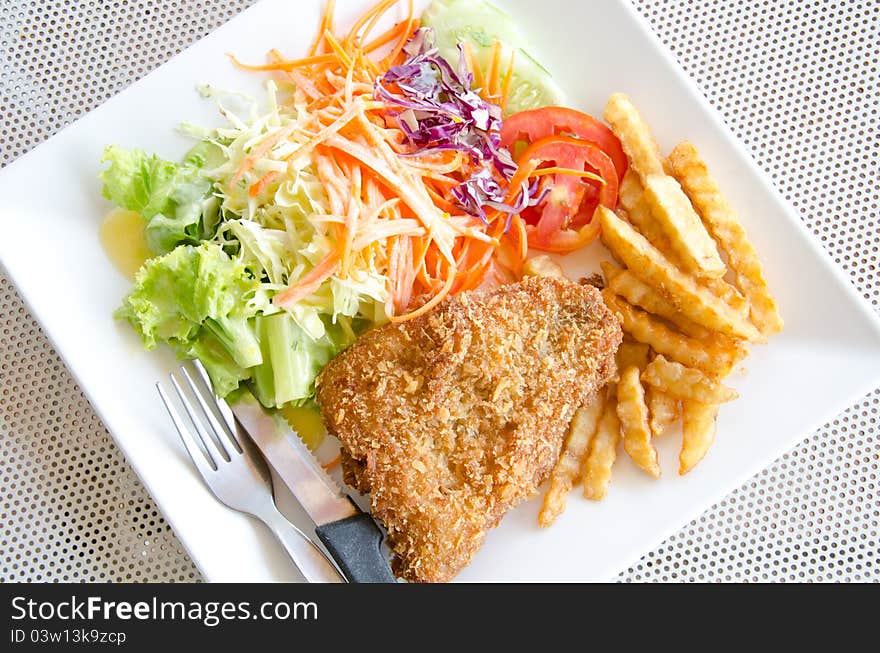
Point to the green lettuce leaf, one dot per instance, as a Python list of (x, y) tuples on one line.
[(226, 375), (175, 199), (197, 299)]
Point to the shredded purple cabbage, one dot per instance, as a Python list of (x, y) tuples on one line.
[(440, 111), (482, 189)]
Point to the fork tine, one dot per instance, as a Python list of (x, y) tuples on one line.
[(215, 449), (205, 465), (222, 407), (219, 430)]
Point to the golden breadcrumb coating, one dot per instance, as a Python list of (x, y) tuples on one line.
[(451, 418)]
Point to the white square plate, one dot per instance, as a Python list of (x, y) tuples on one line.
[(827, 357)]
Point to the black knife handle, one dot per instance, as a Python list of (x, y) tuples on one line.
[(354, 544)]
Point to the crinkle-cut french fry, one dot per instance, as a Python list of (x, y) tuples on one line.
[(632, 353), (698, 430), (694, 246), (728, 294), (565, 473), (728, 231), (635, 137), (635, 291), (638, 213), (633, 415), (685, 382), (664, 410), (643, 327), (627, 285), (596, 470), (647, 263), (610, 271), (542, 266), (631, 198), (670, 207), (630, 191)]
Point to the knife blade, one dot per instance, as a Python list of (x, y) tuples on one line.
[(351, 536), (316, 492)]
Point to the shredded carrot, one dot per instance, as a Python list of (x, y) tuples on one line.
[(494, 84), (540, 172), (472, 65), (286, 64), (401, 31), (333, 464), (372, 23), (296, 78), (309, 283), (440, 201), (431, 303), (355, 208), (518, 226), (258, 186), (494, 66), (508, 77), (325, 25), (369, 16), (384, 209), (338, 49), (407, 30), (268, 143)]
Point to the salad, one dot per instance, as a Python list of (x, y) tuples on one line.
[(380, 173)]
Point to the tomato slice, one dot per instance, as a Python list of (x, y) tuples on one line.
[(535, 124), (565, 217)]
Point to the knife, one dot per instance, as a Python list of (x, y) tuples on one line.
[(350, 535)]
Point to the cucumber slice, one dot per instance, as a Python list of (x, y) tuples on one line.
[(531, 85), (480, 24), (477, 21)]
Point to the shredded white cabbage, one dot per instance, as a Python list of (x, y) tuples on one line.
[(274, 228)]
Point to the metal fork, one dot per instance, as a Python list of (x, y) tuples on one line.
[(236, 472)]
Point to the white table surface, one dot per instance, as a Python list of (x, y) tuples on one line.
[(797, 81)]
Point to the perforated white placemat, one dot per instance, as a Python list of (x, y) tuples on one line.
[(797, 81)]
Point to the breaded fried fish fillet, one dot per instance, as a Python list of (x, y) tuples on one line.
[(451, 418)]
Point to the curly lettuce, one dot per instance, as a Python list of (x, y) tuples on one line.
[(196, 299), (210, 305), (174, 199)]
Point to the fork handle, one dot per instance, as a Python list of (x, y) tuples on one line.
[(312, 563), (354, 544)]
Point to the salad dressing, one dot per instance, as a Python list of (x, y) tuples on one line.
[(124, 240), (307, 423)]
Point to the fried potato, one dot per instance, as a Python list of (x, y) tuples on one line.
[(647, 263), (565, 473), (631, 197), (638, 213), (685, 382), (671, 208), (669, 205), (627, 285), (729, 233), (645, 328), (632, 353), (633, 415), (728, 294), (635, 137), (698, 429), (630, 191), (663, 409), (610, 271), (596, 470), (542, 266), (635, 291)]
